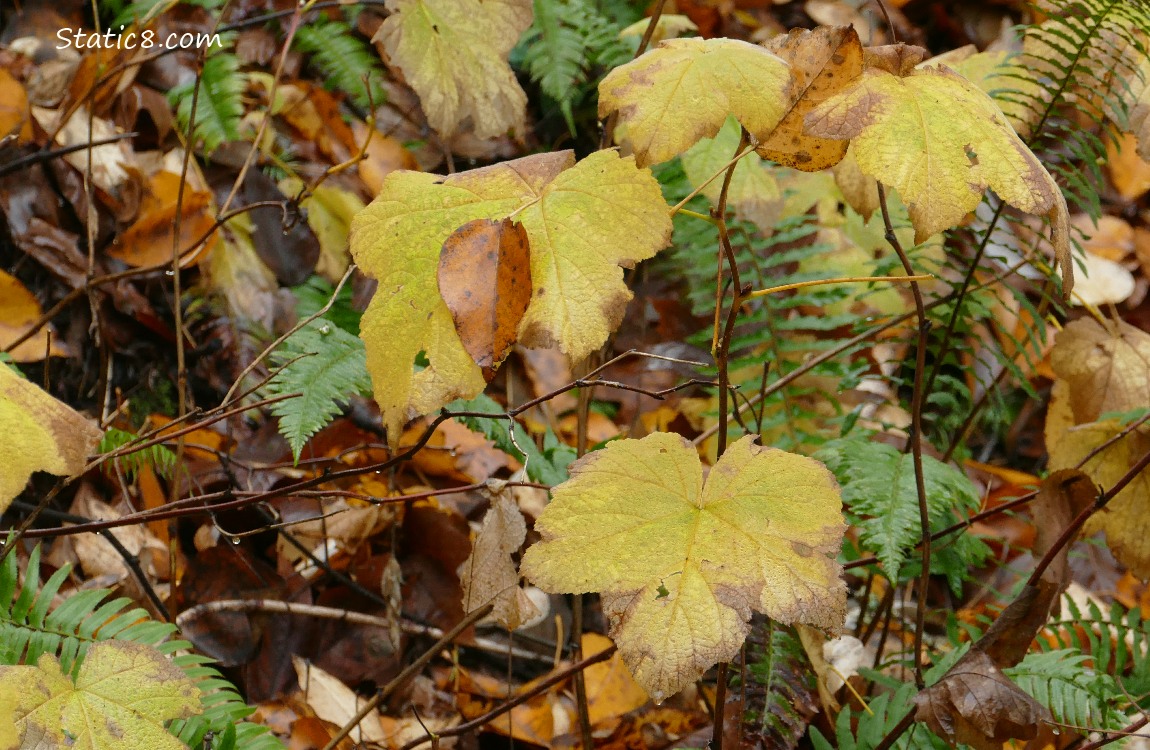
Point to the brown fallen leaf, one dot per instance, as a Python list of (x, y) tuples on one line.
[(823, 62), (335, 702), (485, 280), (976, 704), (19, 310), (1105, 368), (15, 117), (489, 574), (148, 241)]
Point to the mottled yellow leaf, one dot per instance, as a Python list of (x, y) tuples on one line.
[(40, 434), (454, 54), (681, 563), (754, 193), (906, 135), (823, 62), (682, 91), (583, 222), (592, 219), (122, 696)]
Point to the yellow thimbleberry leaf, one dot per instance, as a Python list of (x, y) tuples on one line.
[(754, 193), (40, 434), (680, 562), (905, 133), (121, 698), (683, 90), (583, 221), (454, 54)]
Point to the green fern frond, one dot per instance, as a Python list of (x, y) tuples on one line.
[(345, 60), (219, 106), (1074, 693), (157, 457), (548, 466), (880, 493), (31, 627), (326, 365), (781, 696), (569, 45)]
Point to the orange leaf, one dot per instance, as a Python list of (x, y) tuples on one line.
[(19, 310), (148, 241), (485, 280)]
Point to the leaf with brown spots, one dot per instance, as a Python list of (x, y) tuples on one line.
[(823, 62), (485, 281)]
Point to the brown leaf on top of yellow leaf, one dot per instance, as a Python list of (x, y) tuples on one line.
[(454, 54), (40, 434), (574, 216), (823, 62), (1107, 370), (682, 569), (485, 280), (148, 241), (905, 135), (682, 91), (611, 690), (19, 311), (488, 574), (131, 687)]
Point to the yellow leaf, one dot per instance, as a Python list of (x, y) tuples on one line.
[(122, 696), (329, 213), (19, 311), (602, 214), (906, 135), (40, 434), (682, 91), (681, 563), (823, 61), (753, 193), (454, 54), (574, 217)]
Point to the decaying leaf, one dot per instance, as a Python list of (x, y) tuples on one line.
[(754, 193), (454, 54), (976, 704), (682, 564), (485, 281), (904, 133), (40, 434), (122, 696), (1103, 370), (574, 216), (488, 574), (335, 702), (683, 90), (823, 62)]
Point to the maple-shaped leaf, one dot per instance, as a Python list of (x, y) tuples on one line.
[(583, 222), (454, 54), (754, 193), (823, 61), (682, 91), (123, 694), (905, 133), (40, 434), (681, 563)]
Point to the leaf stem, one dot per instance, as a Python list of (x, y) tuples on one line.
[(842, 280)]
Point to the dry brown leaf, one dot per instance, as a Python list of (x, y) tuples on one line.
[(148, 241), (1106, 369), (488, 574), (335, 702), (823, 62), (976, 704), (485, 280)]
